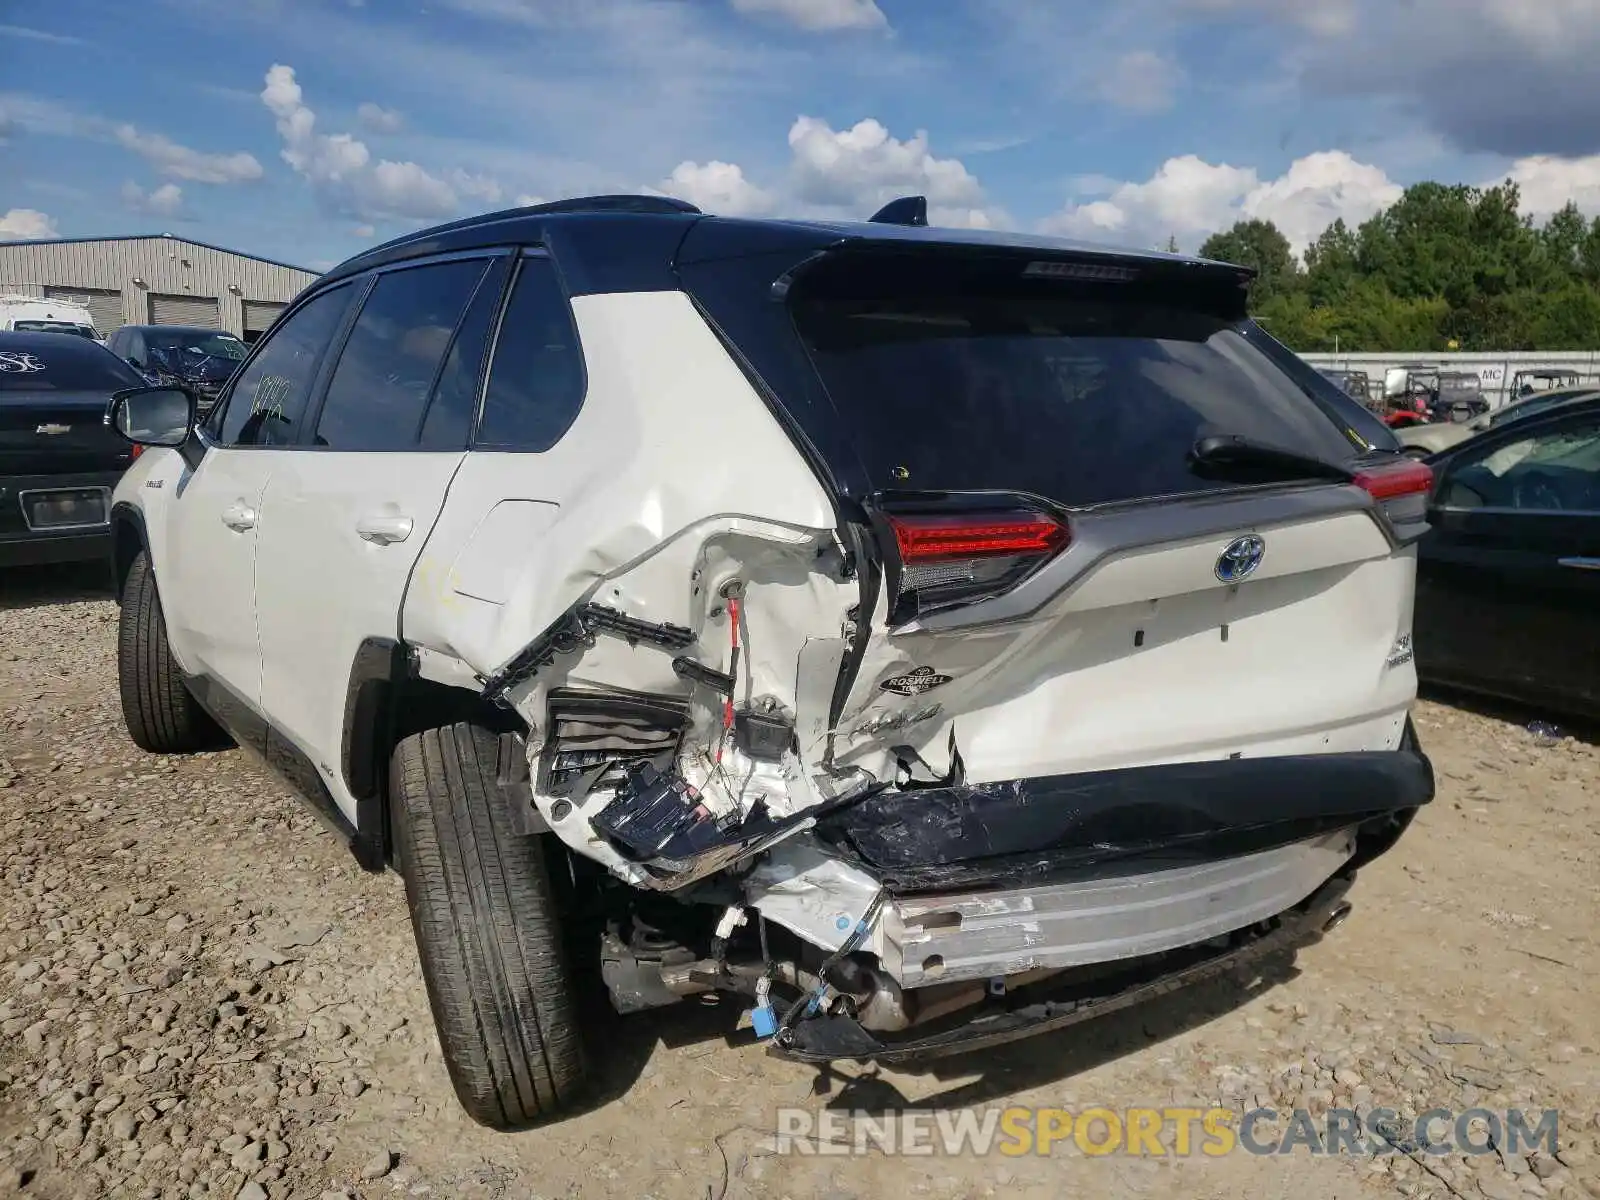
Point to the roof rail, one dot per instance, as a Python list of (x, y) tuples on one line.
[(907, 210), (625, 204)]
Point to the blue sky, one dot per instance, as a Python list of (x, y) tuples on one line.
[(304, 129)]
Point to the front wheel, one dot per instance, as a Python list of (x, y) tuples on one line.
[(488, 933), (157, 707)]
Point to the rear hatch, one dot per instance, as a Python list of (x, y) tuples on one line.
[(57, 433), (53, 395), (1103, 520)]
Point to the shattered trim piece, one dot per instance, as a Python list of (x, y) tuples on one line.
[(577, 629)]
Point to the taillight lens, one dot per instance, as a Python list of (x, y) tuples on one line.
[(1401, 489), (137, 450), (948, 559), (925, 539)]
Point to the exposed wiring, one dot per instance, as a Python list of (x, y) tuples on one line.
[(733, 673), (810, 1003)]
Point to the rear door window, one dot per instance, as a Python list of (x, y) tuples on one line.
[(379, 390), (269, 398), (536, 381), (1083, 394)]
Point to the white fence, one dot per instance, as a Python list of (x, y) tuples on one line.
[(1495, 371)]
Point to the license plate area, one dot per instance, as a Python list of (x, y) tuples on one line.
[(62, 510)]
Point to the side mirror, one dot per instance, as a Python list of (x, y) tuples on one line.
[(152, 416)]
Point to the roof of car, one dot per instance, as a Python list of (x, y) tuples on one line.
[(202, 329), (633, 243), (50, 343)]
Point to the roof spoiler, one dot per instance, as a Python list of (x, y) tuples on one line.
[(907, 210)]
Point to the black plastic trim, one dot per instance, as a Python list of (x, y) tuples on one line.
[(286, 760), (377, 672), (1078, 826), (125, 516)]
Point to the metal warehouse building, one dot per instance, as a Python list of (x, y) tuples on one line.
[(154, 279)]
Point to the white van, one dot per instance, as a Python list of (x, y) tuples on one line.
[(32, 314)]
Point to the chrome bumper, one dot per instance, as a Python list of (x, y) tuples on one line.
[(932, 939)]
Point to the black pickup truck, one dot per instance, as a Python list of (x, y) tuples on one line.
[(58, 460)]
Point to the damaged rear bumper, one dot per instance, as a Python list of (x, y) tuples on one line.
[(1060, 828), (1036, 903), (1064, 1002)]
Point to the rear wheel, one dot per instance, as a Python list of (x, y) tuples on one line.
[(488, 933), (161, 714)]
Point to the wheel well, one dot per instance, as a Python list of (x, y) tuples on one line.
[(128, 540), (387, 704)]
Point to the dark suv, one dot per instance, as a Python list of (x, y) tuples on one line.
[(191, 357)]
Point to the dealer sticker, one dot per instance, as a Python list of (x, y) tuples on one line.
[(923, 679)]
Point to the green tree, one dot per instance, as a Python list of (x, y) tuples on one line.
[(1260, 245)]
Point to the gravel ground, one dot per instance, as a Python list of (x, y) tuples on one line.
[(201, 995)]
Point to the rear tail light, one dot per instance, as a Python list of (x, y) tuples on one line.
[(137, 450), (1400, 488), (948, 559)]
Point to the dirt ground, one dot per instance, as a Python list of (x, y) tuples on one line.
[(201, 995)]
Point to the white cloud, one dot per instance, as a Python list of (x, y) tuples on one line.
[(527, 200), (30, 34), (1140, 81), (374, 118), (180, 162), (340, 168), (842, 174), (1316, 191), (856, 170), (818, 16), (164, 201), (363, 231), (718, 187), (1547, 183), (24, 224), (476, 187), (1189, 198)]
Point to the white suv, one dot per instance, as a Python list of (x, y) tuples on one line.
[(933, 637)]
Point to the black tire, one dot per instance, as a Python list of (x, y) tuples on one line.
[(488, 933), (161, 714)]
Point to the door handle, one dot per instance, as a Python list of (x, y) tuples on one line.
[(1580, 564), (239, 517), (384, 531)]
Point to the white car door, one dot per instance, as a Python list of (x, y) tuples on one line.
[(347, 511), (206, 552)]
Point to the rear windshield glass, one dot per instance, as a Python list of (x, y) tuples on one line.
[(69, 366), (192, 347), (53, 327), (1079, 395)]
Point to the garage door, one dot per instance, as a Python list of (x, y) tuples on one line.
[(104, 306), (184, 310), (258, 317)]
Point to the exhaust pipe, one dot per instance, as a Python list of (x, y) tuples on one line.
[(1337, 917)]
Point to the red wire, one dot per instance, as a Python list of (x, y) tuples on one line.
[(727, 705)]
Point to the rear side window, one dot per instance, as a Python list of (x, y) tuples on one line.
[(269, 398), (448, 424), (378, 392), (536, 381), (62, 365), (1084, 394)]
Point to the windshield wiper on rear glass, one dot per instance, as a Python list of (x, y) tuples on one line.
[(1240, 457)]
